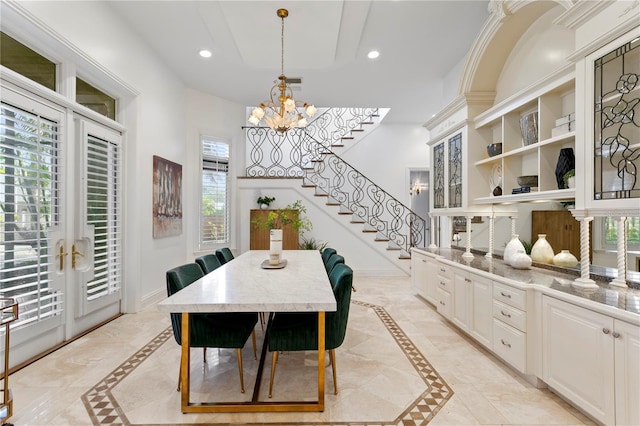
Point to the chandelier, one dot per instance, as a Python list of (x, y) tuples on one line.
[(281, 112)]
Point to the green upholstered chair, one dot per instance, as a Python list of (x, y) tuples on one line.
[(326, 254), (208, 263), (210, 330), (334, 259), (224, 255), (290, 331)]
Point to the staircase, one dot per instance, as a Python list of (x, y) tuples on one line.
[(310, 153)]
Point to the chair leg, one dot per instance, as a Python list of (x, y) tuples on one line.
[(332, 358), (253, 340), (239, 352), (180, 375), (261, 315), (274, 360)]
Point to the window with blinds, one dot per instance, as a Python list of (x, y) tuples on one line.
[(30, 178), (104, 214), (214, 211)]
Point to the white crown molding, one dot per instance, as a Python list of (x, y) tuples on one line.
[(604, 39), (460, 102), (581, 12), (19, 20)]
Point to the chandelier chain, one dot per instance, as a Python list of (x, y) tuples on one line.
[(282, 48)]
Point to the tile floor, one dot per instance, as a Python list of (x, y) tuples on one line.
[(401, 364)]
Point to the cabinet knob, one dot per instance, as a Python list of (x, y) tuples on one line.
[(467, 280), (443, 270), (615, 334), (507, 295), (505, 314), (505, 343), (424, 261), (606, 330), (442, 283)]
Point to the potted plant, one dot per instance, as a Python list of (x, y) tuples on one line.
[(570, 179), (311, 243), (292, 214), (264, 202)]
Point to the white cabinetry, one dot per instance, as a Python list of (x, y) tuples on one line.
[(592, 360), (551, 99), (423, 275), (509, 325), (444, 291), (482, 315), (462, 311)]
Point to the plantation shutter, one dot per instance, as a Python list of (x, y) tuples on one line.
[(30, 199), (103, 214), (214, 214)]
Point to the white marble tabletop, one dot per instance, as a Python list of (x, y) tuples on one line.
[(241, 285)]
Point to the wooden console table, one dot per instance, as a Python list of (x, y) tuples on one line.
[(259, 238)]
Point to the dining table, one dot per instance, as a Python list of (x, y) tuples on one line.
[(249, 283)]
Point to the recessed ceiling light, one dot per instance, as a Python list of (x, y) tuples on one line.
[(205, 53), (373, 54)]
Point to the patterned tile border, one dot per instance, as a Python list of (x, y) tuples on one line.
[(105, 410)]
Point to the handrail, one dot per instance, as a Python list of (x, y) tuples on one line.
[(310, 156)]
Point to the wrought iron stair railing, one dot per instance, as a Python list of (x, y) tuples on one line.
[(308, 153)]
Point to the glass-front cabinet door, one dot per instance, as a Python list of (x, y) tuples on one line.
[(447, 166), (616, 125)]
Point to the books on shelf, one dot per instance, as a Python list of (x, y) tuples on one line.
[(524, 189), (564, 125)]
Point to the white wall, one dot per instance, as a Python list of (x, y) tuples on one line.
[(542, 49), (210, 116), (156, 125)]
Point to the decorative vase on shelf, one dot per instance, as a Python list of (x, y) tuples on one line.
[(566, 162), (512, 248), (520, 260), (542, 252), (264, 206), (275, 246), (565, 258)]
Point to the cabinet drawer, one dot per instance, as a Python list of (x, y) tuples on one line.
[(510, 315), (444, 284), (444, 303), (509, 295), (509, 344), (445, 271)]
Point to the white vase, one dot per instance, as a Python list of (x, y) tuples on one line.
[(565, 258), (512, 248), (542, 252), (275, 246), (264, 206), (520, 260)]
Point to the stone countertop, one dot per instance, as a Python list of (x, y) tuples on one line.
[(627, 299)]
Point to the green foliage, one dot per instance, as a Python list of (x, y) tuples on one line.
[(266, 200), (528, 245), (312, 244), (292, 214)]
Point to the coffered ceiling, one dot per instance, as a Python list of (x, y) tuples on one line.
[(326, 44)]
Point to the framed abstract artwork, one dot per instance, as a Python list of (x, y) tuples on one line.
[(167, 198)]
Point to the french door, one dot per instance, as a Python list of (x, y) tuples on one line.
[(60, 216)]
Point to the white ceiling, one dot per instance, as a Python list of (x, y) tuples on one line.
[(326, 43)]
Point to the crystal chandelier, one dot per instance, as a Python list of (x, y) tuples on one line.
[(281, 111)]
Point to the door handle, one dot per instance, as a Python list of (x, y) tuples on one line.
[(61, 255), (74, 253)]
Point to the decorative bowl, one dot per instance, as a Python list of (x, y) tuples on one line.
[(530, 181), (494, 149)]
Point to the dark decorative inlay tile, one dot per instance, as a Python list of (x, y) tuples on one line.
[(103, 408)]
